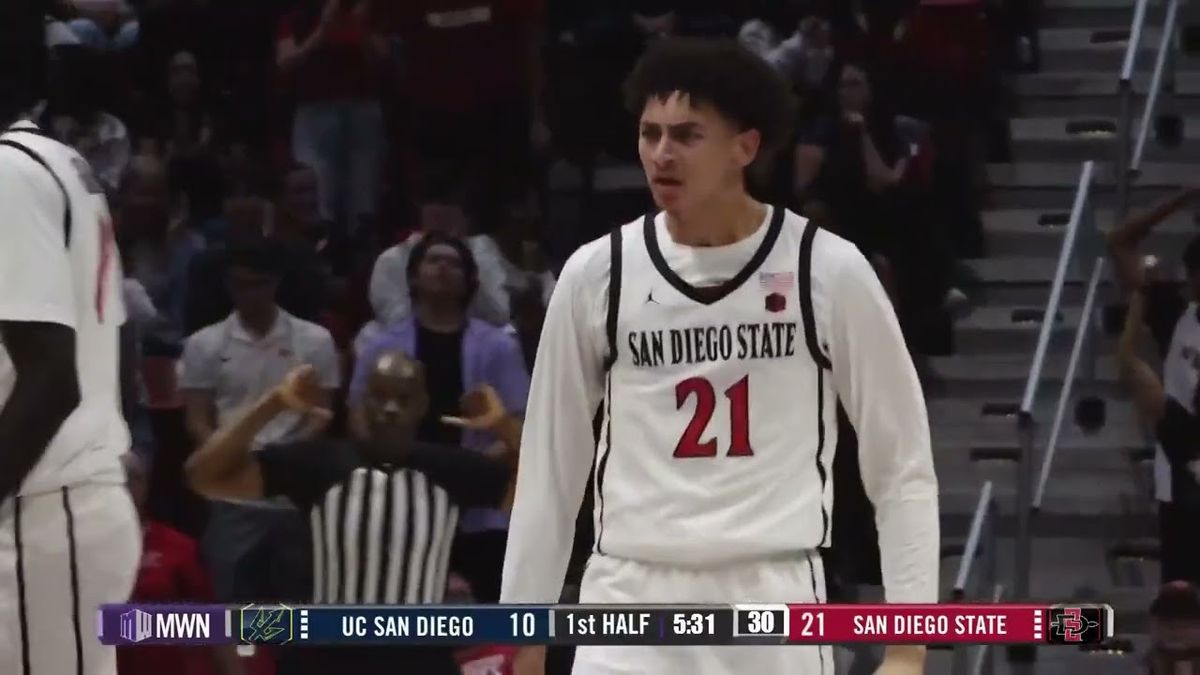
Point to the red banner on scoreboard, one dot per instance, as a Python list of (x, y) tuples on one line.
[(917, 624)]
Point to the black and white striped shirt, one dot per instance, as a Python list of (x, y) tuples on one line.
[(381, 533)]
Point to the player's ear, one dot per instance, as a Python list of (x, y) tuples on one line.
[(746, 147)]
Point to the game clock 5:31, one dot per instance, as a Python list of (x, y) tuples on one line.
[(694, 623)]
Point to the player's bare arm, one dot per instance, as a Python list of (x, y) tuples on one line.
[(1139, 377), (223, 467), (44, 395), (1124, 240)]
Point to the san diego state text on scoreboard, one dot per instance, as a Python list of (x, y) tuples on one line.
[(604, 624)]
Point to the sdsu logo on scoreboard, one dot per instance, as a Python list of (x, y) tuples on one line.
[(1075, 625)]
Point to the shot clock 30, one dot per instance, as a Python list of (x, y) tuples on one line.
[(771, 622)]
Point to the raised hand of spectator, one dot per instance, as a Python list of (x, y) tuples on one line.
[(302, 392), (482, 410)]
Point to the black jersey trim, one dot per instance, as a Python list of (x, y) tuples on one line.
[(821, 473), (708, 296), (612, 314), (806, 301), (66, 225)]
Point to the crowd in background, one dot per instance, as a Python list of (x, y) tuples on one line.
[(320, 181)]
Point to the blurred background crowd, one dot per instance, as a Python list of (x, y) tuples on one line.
[(314, 181)]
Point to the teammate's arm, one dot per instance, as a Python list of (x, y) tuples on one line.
[(37, 317), (557, 442), (1124, 240), (1141, 380), (44, 395), (223, 467), (878, 387)]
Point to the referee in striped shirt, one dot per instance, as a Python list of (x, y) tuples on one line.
[(382, 514)]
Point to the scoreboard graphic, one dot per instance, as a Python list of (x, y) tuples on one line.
[(747, 624)]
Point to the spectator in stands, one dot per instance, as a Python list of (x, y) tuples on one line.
[(459, 354), (1168, 403), (853, 161), (159, 242), (254, 549), (182, 123), (332, 61), (74, 113), (1175, 630), (108, 25), (388, 476), (473, 72), (446, 213), (170, 572)]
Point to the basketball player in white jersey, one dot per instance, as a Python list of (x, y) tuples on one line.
[(1169, 402), (69, 537), (719, 333)]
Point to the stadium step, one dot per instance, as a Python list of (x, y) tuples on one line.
[(1033, 184), (1095, 13), (1100, 49), (1057, 93), (1038, 232), (1093, 137), (1004, 375)]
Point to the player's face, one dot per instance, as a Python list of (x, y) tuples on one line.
[(441, 272), (690, 152), (145, 204), (395, 404)]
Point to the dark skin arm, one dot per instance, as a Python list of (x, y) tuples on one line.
[(223, 468), (44, 395), (1123, 241)]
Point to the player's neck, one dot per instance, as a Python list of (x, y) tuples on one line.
[(720, 221), (440, 315), (259, 325)]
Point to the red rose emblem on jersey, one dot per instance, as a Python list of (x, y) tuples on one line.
[(776, 302)]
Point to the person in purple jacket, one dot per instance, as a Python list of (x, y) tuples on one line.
[(460, 354)]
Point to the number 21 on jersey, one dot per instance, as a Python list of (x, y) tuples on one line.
[(702, 389)]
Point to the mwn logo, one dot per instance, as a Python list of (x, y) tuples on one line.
[(181, 625)]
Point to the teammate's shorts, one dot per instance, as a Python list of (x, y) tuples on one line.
[(70, 552), (609, 580)]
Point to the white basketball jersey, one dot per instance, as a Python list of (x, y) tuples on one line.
[(69, 207), (1181, 375), (720, 422)]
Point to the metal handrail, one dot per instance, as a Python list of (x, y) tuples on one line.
[(1080, 212), (1135, 38), (974, 538), (982, 665), (1082, 192), (1160, 67), (983, 529), (1064, 396)]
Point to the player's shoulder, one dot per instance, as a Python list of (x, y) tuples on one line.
[(36, 152), (832, 254), (590, 263)]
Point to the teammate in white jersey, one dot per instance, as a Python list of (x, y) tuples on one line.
[(719, 335), (69, 536)]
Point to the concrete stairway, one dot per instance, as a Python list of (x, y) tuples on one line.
[(1094, 534)]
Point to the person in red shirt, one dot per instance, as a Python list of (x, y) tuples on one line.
[(332, 64), (472, 74), (170, 571)]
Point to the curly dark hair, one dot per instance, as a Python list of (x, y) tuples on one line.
[(741, 86)]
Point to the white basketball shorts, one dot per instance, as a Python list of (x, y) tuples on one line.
[(62, 555), (610, 580)]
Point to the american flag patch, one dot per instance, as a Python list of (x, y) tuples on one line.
[(776, 282)]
